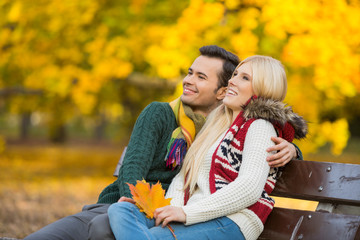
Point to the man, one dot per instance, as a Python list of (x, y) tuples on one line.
[(157, 125)]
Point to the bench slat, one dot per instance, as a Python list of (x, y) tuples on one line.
[(119, 164), (320, 181), (297, 224)]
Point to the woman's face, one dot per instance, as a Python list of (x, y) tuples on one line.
[(239, 89)]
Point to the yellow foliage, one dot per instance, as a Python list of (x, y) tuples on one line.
[(245, 43), (113, 111), (72, 49), (15, 12), (232, 4), (336, 133)]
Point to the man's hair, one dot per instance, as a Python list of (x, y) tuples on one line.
[(230, 62)]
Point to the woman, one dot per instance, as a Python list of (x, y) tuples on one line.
[(222, 190)]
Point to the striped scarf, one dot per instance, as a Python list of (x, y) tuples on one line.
[(189, 124)]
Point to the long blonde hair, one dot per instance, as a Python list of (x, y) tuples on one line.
[(268, 81)]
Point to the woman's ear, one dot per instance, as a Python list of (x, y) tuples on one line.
[(220, 94)]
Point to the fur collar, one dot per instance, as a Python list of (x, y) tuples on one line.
[(275, 112)]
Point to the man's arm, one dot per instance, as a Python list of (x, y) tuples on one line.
[(285, 152), (142, 147)]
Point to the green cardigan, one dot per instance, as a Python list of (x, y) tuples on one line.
[(145, 154)]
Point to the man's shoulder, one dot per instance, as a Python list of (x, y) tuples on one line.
[(163, 107), (157, 112), (159, 105)]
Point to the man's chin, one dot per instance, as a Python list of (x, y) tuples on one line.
[(186, 99)]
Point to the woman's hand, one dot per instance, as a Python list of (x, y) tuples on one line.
[(126, 199), (169, 214), (285, 152)]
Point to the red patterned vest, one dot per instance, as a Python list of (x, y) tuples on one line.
[(227, 159)]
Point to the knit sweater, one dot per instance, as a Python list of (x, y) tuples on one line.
[(145, 154), (231, 201)]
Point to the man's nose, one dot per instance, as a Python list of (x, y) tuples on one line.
[(189, 79)]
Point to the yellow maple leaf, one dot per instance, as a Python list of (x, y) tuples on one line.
[(147, 198)]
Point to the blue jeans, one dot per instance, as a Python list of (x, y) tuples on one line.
[(127, 222)]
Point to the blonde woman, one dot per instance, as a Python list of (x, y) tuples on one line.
[(222, 190)]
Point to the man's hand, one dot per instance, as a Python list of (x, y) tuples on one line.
[(285, 152), (169, 214), (126, 199)]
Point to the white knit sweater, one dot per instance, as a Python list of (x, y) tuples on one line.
[(232, 200)]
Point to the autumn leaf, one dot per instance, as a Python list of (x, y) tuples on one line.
[(148, 198)]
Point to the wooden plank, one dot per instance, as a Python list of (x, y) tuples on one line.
[(320, 181), (296, 224), (120, 162)]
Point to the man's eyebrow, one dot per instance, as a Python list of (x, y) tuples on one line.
[(201, 73)]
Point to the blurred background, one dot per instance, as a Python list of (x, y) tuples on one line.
[(75, 74)]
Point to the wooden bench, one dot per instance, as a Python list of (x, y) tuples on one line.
[(336, 186)]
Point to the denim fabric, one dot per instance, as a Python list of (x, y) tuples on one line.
[(127, 222)]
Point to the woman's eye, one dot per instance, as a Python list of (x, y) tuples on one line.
[(235, 74), (246, 78)]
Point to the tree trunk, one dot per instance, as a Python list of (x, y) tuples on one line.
[(25, 125), (100, 128)]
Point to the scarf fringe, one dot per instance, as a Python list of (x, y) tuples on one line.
[(176, 153)]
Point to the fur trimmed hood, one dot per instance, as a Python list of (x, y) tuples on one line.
[(275, 112)]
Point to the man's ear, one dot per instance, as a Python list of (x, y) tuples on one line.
[(220, 94)]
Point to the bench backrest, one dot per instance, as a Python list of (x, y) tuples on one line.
[(325, 182), (320, 181)]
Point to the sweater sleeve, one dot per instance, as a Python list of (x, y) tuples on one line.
[(246, 189), (142, 147), (299, 153), (176, 191)]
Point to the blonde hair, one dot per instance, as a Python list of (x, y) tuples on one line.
[(268, 81), (269, 77)]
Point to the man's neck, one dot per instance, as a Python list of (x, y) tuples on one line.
[(204, 111)]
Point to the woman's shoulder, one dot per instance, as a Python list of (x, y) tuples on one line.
[(260, 125)]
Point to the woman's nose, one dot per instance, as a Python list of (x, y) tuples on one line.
[(231, 81)]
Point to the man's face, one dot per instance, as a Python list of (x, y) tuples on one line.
[(200, 85)]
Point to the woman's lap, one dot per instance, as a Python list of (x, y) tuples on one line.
[(220, 228)]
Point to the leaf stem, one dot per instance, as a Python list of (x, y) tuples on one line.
[(172, 231)]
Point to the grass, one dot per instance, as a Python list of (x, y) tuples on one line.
[(42, 183)]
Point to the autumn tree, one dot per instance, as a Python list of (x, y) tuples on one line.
[(108, 59)]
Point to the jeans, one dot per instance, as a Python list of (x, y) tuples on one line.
[(127, 222)]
